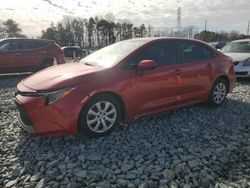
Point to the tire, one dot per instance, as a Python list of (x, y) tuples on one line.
[(100, 116), (218, 93)]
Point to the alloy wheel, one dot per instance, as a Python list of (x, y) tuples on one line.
[(219, 93), (101, 116)]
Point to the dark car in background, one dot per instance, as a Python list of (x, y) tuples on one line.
[(218, 45), (28, 55), (73, 52)]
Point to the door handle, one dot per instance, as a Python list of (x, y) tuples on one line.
[(177, 71), (209, 65), (17, 54)]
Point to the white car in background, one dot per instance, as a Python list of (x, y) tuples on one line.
[(239, 50)]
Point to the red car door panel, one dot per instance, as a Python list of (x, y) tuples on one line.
[(154, 90), (195, 72), (157, 89)]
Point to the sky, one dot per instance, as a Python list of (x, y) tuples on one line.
[(36, 15)]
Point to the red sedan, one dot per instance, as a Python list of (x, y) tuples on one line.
[(121, 82)]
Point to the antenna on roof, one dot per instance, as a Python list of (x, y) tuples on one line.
[(248, 27)]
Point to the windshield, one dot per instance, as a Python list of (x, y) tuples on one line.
[(111, 55), (237, 47)]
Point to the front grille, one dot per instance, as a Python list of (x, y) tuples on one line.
[(24, 117), (241, 73), (236, 62)]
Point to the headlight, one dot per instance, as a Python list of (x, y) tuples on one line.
[(51, 97), (247, 62), (55, 95)]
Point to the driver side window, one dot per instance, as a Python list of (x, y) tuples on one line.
[(163, 53)]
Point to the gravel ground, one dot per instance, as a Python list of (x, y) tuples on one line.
[(191, 147)]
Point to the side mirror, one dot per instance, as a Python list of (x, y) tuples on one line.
[(146, 65)]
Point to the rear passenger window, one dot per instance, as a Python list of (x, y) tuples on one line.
[(39, 44), (29, 44), (207, 53), (192, 51), (26, 45)]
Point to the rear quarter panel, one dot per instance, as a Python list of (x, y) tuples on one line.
[(225, 67)]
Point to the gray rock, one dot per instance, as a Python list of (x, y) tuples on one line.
[(40, 184), (143, 185), (121, 182), (194, 163), (117, 171), (15, 173), (11, 183), (73, 185), (130, 176), (187, 186), (94, 157), (173, 185), (81, 174), (168, 174), (104, 184), (27, 178), (81, 158), (52, 163), (131, 185), (35, 177), (163, 182), (126, 167)]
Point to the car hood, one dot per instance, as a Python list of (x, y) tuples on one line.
[(60, 76), (238, 56)]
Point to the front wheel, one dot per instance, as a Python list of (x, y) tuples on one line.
[(218, 93), (100, 116)]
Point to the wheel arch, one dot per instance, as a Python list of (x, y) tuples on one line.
[(92, 96), (116, 96)]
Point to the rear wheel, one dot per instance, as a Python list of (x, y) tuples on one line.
[(218, 93), (100, 116)]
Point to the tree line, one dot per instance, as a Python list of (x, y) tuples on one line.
[(97, 32), (9, 28), (94, 32), (210, 36)]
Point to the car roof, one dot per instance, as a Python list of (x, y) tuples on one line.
[(242, 40), (26, 39), (149, 39)]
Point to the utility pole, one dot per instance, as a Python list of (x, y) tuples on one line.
[(248, 28), (149, 30), (205, 25), (179, 21)]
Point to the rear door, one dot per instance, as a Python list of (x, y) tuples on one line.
[(34, 51), (195, 72)]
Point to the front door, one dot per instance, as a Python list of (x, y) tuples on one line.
[(154, 90), (6, 57)]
